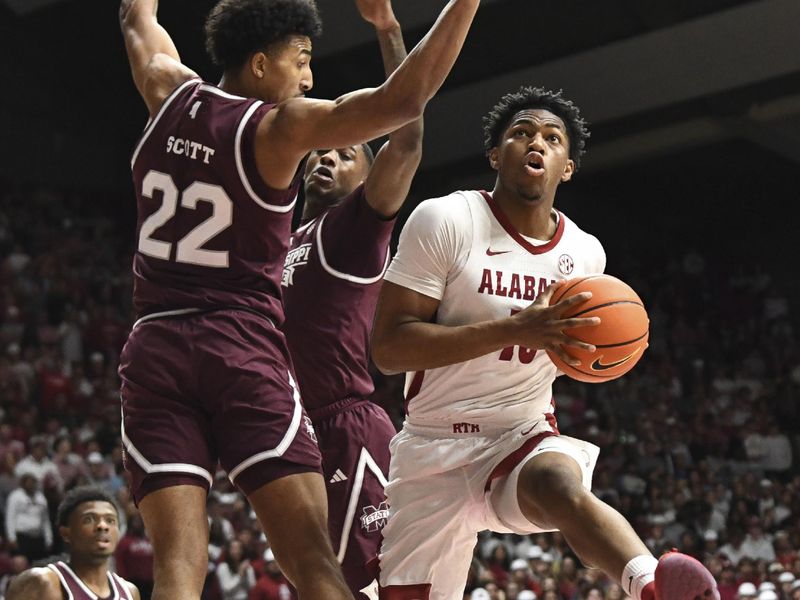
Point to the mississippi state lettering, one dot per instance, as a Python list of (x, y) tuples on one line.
[(297, 257), (521, 287)]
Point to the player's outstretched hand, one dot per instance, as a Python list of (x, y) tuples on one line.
[(377, 12), (542, 326)]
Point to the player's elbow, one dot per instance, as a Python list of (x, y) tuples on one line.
[(383, 357)]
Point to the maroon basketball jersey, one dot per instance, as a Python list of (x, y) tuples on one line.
[(74, 588), (209, 231), (331, 281)]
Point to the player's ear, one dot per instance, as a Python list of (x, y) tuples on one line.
[(64, 532), (258, 64), (569, 169), (494, 158)]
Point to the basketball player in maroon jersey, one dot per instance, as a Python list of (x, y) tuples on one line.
[(340, 253), (205, 371), (88, 522), (465, 312)]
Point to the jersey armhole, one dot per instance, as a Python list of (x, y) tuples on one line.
[(339, 274), (458, 267)]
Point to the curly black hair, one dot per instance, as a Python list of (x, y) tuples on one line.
[(237, 28), (509, 105), (79, 495)]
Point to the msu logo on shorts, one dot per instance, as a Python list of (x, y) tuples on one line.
[(373, 518), (297, 257)]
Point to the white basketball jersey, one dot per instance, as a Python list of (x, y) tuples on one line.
[(462, 250)]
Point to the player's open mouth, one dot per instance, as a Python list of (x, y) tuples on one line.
[(534, 164), (323, 173)]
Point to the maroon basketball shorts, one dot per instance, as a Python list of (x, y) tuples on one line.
[(215, 386), (354, 437)]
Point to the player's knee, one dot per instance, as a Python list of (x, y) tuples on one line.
[(552, 487)]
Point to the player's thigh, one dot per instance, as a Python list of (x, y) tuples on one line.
[(166, 432), (293, 512), (557, 466), (429, 538)]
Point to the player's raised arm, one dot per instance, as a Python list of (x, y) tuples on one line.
[(155, 63), (391, 174), (300, 125)]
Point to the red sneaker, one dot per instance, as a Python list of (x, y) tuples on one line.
[(681, 577)]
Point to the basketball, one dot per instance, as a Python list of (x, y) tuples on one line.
[(620, 338)]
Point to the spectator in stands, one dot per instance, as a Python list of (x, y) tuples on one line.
[(39, 465), (234, 573), (28, 527), (134, 556)]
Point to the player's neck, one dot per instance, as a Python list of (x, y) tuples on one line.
[(233, 84), (532, 218), (93, 574), (314, 207)]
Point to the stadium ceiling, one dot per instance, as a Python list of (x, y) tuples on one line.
[(22, 7), (651, 77)]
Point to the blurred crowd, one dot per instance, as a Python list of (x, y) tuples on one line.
[(700, 442)]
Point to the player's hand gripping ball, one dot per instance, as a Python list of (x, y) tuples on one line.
[(620, 338)]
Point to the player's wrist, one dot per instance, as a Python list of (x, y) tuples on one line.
[(387, 24)]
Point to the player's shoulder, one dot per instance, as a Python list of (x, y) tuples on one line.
[(579, 235), (40, 583), (452, 208)]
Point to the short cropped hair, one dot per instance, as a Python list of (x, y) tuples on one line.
[(235, 29), (79, 495), (495, 123), (368, 153)]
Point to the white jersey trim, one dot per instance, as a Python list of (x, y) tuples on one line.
[(206, 87), (63, 581), (365, 461), (148, 129), (240, 165), (345, 276), (285, 442), (82, 585), (124, 588), (149, 467)]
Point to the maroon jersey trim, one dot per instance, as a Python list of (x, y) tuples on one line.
[(516, 236), (148, 129), (279, 208), (352, 278), (284, 444)]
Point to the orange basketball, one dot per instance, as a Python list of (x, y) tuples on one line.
[(621, 337)]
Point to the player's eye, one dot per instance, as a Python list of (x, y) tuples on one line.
[(554, 138)]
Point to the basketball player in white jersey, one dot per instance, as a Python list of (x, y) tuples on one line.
[(465, 313)]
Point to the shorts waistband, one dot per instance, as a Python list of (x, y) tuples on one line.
[(188, 312), (454, 429), (329, 410)]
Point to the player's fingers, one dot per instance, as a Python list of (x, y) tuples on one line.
[(574, 300), (562, 354), (574, 322), (573, 343)]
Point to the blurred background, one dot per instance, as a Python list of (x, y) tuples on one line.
[(691, 182)]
